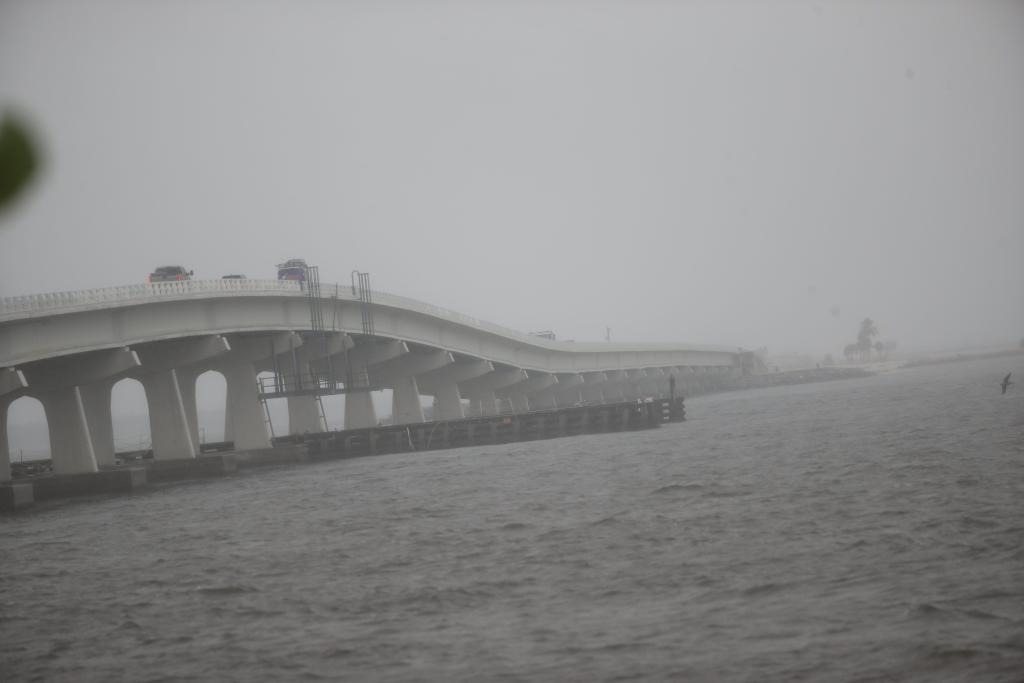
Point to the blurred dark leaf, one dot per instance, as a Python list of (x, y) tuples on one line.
[(19, 160)]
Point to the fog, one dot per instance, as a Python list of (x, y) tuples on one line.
[(762, 174)]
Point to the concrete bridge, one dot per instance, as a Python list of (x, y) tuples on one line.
[(68, 349)]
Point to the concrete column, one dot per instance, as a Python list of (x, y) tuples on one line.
[(229, 425), (304, 415), (485, 404), (633, 389), (55, 382), (168, 420), (567, 392), (5, 446), (448, 402), (245, 414), (405, 401), (70, 441), (543, 401), (188, 358), (592, 390), (303, 411), (400, 373), (359, 410), (96, 398), (187, 383), (652, 381), (520, 403), (614, 388), (538, 389), (443, 385), (482, 389)]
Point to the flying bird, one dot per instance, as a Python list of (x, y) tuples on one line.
[(1006, 382)]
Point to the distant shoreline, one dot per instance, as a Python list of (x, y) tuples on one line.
[(960, 357), (786, 378)]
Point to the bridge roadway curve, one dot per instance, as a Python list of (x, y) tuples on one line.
[(68, 349)]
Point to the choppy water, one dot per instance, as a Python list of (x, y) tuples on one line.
[(854, 530)]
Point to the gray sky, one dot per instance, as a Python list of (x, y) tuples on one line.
[(738, 173)]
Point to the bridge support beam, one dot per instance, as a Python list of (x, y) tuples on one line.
[(592, 390), (5, 446), (70, 440), (406, 407), (62, 385), (568, 391), (443, 385), (484, 403), (481, 390), (615, 387), (244, 412), (359, 410), (534, 389), (652, 382), (303, 411), (633, 386), (96, 398), (168, 419), (401, 374), (448, 402)]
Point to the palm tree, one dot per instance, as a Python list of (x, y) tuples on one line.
[(868, 331)]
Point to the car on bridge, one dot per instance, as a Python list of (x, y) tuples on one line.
[(233, 276), (170, 274), (292, 269)]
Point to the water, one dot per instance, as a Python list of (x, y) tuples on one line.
[(856, 530)]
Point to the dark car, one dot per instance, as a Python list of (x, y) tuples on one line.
[(170, 274), (232, 277), (292, 269)]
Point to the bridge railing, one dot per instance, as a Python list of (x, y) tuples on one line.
[(33, 305), (66, 302)]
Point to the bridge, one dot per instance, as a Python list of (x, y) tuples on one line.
[(273, 338)]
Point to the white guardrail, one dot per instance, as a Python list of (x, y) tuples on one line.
[(57, 303)]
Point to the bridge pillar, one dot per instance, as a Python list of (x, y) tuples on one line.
[(5, 447), (443, 385), (303, 411), (487, 404), (448, 402), (187, 384), (245, 415), (245, 422), (633, 387), (652, 383), (568, 391), (615, 388), (304, 415), (592, 389), (168, 420), (62, 385), (481, 390), (359, 410), (11, 381), (96, 398), (531, 392), (401, 374), (70, 441), (405, 401), (520, 403), (314, 354), (229, 423)]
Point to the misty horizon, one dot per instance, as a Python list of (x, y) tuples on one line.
[(744, 174)]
